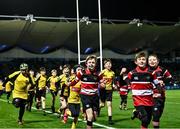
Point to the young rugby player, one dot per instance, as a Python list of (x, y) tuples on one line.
[(64, 79), (73, 109), (53, 86), (123, 89), (142, 80), (159, 94), (106, 89), (31, 92), (89, 89), (41, 82), (20, 92)]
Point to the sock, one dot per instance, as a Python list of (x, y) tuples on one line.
[(21, 112), (110, 118), (142, 127), (73, 126)]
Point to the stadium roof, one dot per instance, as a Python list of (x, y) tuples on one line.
[(45, 36), (118, 35)]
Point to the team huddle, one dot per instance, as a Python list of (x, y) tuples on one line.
[(93, 89)]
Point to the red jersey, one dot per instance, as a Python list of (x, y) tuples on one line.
[(123, 90), (141, 81), (89, 82), (123, 87), (161, 74)]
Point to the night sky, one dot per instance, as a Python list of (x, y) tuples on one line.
[(155, 10)]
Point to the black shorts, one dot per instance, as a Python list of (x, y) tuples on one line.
[(158, 108), (90, 101), (53, 93), (19, 102), (41, 93), (74, 108), (145, 114), (105, 95), (9, 92), (123, 97)]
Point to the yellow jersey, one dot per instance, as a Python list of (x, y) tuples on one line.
[(63, 79), (64, 88), (20, 85), (41, 82), (8, 86), (108, 76), (53, 83), (1, 85), (74, 93)]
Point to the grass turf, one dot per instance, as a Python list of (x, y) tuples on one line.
[(121, 118)]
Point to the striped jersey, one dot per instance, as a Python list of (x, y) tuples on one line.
[(142, 83), (89, 81), (162, 74)]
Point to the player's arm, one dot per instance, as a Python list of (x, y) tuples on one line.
[(127, 78), (167, 77), (101, 74), (11, 77), (48, 82), (157, 84), (77, 79), (114, 82)]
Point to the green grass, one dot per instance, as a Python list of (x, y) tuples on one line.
[(35, 119)]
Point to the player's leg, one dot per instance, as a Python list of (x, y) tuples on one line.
[(144, 114), (64, 108), (95, 106), (31, 100), (8, 96), (157, 111), (109, 106), (125, 102), (102, 93), (74, 110), (149, 110), (90, 117), (38, 98), (121, 102), (21, 111), (83, 113), (53, 101), (43, 101), (20, 103), (87, 106)]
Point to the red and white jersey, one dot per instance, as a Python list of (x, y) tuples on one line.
[(89, 82), (141, 81), (162, 74), (123, 90)]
